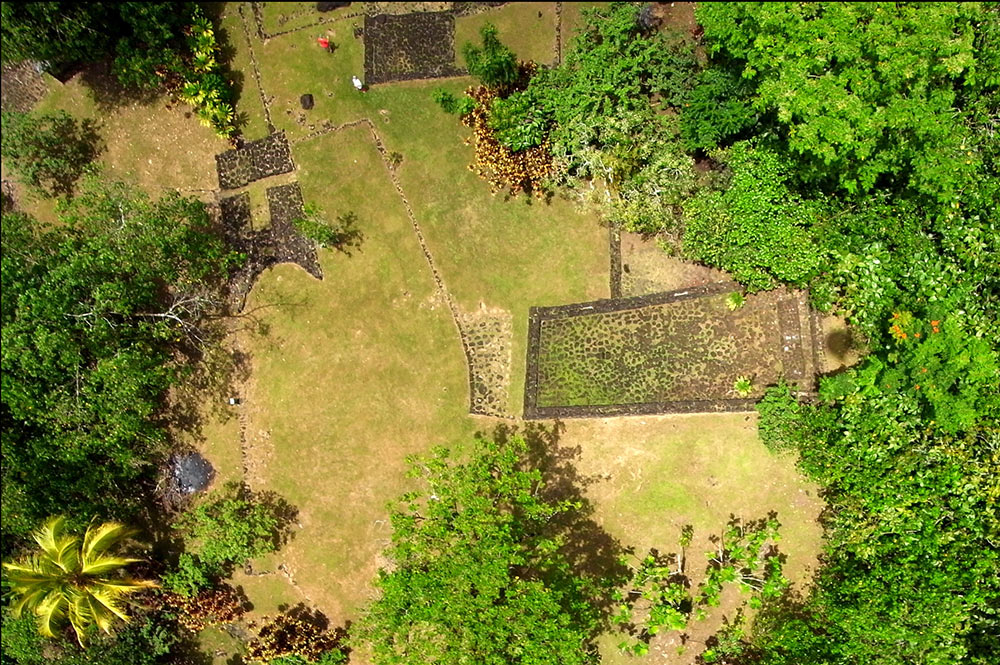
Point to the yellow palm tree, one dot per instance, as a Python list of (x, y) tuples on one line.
[(74, 580)]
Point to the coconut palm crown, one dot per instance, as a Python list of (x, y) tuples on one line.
[(72, 579)]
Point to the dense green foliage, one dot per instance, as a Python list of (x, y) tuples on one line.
[(867, 93), (145, 641), (93, 310), (756, 228), (48, 152), (716, 109), (880, 123), (61, 33), (152, 45), (477, 576), (854, 152), (911, 570)]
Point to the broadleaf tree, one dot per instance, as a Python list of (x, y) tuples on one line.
[(475, 575)]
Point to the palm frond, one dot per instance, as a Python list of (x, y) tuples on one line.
[(50, 612), (54, 542), (99, 540), (28, 601), (105, 564), (102, 601)]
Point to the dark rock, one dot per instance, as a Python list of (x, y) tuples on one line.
[(329, 6), (306, 101), (648, 21), (190, 473)]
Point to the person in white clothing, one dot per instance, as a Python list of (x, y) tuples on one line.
[(358, 84)]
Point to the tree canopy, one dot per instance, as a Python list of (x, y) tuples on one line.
[(93, 310), (868, 93), (476, 575)]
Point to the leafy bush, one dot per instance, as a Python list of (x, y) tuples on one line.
[(341, 235), (453, 105), (144, 641), (211, 607), (516, 123), (716, 109), (494, 64), (189, 576), (757, 228), (475, 570), (232, 526), (63, 33), (505, 169), (735, 301), (50, 151)]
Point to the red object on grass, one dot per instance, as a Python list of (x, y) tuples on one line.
[(324, 42)]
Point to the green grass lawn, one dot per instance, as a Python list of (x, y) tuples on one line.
[(249, 107), (522, 26), (158, 144), (286, 16), (354, 373)]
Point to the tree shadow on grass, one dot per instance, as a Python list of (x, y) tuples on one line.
[(108, 93), (591, 551)]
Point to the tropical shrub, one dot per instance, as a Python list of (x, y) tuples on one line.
[(655, 599), (73, 578), (234, 525), (515, 171), (203, 84), (475, 571), (453, 105), (745, 555), (296, 637), (494, 64), (48, 152), (757, 228), (341, 234), (211, 607)]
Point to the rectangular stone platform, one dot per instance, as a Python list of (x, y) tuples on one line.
[(679, 351)]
